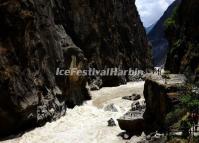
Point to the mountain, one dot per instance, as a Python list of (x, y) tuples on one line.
[(37, 37), (110, 33), (182, 33), (148, 29), (157, 36)]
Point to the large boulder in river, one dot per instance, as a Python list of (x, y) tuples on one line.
[(111, 107), (132, 122), (160, 98)]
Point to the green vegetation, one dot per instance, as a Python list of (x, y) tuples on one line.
[(185, 126), (184, 117), (179, 140), (172, 118), (171, 21), (191, 102)]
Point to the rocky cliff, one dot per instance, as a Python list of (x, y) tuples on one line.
[(111, 34), (32, 46), (157, 36), (38, 36), (182, 34), (162, 97)]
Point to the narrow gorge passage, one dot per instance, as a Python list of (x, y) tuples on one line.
[(87, 123)]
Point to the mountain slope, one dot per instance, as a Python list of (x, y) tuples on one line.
[(157, 36), (148, 29), (182, 33)]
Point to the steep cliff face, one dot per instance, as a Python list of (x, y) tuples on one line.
[(36, 37), (157, 36), (110, 33), (182, 33), (32, 46)]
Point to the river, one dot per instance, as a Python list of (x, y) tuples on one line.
[(87, 123)]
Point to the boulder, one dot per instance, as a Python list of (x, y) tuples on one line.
[(132, 122), (95, 84), (137, 97), (111, 123), (111, 108), (133, 97), (94, 87), (161, 98), (139, 105)]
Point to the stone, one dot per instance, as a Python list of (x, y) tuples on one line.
[(94, 87), (137, 97), (111, 108), (134, 97), (111, 123), (126, 136), (96, 84), (148, 137), (132, 122), (139, 105)]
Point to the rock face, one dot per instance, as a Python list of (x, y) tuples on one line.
[(36, 38), (182, 34), (111, 34), (161, 98), (32, 46), (157, 36)]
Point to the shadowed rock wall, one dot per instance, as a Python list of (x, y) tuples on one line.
[(36, 37)]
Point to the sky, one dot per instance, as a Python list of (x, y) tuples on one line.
[(151, 10)]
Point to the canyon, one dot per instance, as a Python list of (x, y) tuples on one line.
[(39, 36)]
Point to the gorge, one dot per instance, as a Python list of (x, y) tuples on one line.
[(37, 37)]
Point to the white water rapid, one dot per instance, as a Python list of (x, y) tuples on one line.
[(87, 123)]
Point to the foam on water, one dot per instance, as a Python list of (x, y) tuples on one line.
[(83, 124)]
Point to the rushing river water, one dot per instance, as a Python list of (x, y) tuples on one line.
[(87, 123)]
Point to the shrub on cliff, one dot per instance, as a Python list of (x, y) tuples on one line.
[(191, 102), (171, 21)]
